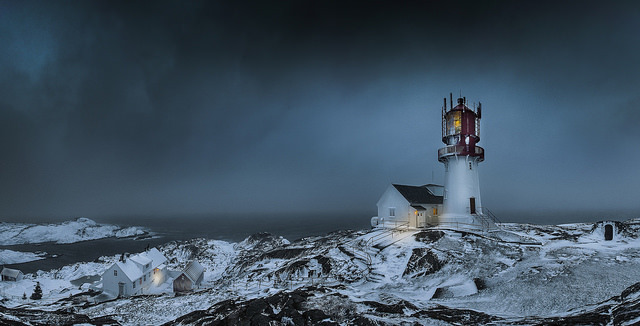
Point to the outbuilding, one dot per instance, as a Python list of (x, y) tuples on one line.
[(190, 278), (9, 274), (414, 206), (609, 230)]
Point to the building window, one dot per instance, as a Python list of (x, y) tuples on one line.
[(435, 211), (392, 211), (144, 278), (469, 165), (115, 272), (134, 284)]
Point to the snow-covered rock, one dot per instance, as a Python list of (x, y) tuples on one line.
[(81, 229), (526, 274), (16, 257)]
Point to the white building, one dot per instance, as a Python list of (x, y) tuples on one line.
[(10, 274), (134, 275), (461, 155), (413, 206), (458, 204), (190, 278)]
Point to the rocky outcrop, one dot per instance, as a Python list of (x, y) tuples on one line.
[(422, 262), (19, 316)]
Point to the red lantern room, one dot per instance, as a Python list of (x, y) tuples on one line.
[(460, 131)]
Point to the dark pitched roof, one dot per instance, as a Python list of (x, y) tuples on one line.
[(418, 195)]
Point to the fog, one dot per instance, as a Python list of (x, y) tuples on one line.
[(117, 108)]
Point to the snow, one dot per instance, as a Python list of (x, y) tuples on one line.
[(17, 257), (557, 269), (81, 229), (130, 269)]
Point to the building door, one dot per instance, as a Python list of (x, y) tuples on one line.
[(608, 232), (472, 205), (120, 289)]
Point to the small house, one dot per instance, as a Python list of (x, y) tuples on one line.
[(136, 274), (9, 274), (189, 278), (414, 206)]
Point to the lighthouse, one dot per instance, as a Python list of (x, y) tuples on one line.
[(457, 205), (462, 206)]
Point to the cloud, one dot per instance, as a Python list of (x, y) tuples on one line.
[(122, 108)]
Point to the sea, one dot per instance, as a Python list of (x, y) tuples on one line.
[(235, 228)]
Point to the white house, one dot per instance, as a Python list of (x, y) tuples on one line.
[(415, 206), (134, 275), (190, 277), (9, 274)]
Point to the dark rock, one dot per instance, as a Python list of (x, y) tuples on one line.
[(40, 317), (363, 321), (325, 263), (429, 236), (258, 306), (314, 316), (397, 308), (291, 313), (442, 293), (480, 284), (422, 262), (285, 253), (457, 316)]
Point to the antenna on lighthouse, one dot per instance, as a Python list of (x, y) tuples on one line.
[(479, 110)]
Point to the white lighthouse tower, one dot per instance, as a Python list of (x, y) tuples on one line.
[(462, 207)]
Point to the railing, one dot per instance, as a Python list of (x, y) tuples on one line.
[(460, 150), (385, 233), (490, 214), (360, 248)]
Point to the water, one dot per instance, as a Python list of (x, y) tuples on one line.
[(228, 228)]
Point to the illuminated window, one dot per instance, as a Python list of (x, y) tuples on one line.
[(454, 122), (435, 211)]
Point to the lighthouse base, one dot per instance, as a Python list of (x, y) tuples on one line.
[(476, 222)]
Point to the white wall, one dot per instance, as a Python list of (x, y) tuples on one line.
[(392, 198), (158, 277), (461, 183), (110, 282)]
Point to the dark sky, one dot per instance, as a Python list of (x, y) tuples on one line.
[(125, 108)]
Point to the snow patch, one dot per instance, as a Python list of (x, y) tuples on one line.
[(18, 257), (81, 229)]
